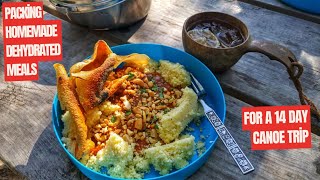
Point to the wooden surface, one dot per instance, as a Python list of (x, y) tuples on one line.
[(279, 6), (28, 144)]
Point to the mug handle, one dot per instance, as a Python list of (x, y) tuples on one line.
[(287, 58)]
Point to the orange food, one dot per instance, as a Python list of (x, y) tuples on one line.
[(69, 102)]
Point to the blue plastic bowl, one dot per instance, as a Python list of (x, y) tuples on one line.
[(215, 99), (312, 6)]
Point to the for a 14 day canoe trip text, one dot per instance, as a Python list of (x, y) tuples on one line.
[(278, 127)]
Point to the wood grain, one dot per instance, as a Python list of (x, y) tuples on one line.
[(278, 6)]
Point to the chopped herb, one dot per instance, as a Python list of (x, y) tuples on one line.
[(128, 113), (161, 95), (156, 126), (161, 92), (143, 90), (166, 111), (113, 119), (131, 75), (154, 88), (154, 119)]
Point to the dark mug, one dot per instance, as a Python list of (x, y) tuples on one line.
[(222, 59)]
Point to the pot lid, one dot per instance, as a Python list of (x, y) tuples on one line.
[(84, 5)]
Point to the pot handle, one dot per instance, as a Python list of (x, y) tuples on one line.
[(287, 58)]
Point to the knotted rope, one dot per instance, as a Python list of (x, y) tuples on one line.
[(304, 100)]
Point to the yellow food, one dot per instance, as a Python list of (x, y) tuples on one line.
[(174, 155), (152, 66), (200, 147), (133, 60), (115, 156), (69, 132), (175, 121), (174, 74), (92, 117), (118, 159)]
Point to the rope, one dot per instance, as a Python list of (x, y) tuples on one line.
[(304, 100)]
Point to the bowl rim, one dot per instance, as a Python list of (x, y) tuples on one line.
[(208, 150), (100, 5), (211, 13)]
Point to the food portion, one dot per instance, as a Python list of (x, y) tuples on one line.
[(123, 114), (174, 155), (173, 123), (76, 129)]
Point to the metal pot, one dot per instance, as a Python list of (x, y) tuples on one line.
[(103, 14)]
